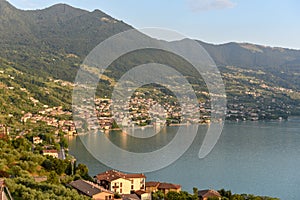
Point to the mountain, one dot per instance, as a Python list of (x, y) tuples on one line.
[(50, 44), (284, 64), (36, 38), (250, 55), (59, 27), (61, 30)]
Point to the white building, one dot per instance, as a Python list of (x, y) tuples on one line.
[(121, 183), (37, 140), (53, 153)]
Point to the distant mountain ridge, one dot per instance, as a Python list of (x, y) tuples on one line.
[(280, 62), (39, 41), (59, 27), (63, 28), (53, 42), (249, 55)]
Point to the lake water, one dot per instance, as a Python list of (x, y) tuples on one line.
[(261, 158)]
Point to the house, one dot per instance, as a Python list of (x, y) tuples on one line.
[(163, 187), (53, 153), (206, 194), (130, 197), (92, 190), (26, 117), (143, 195), (152, 186), (121, 183), (37, 140), (169, 187)]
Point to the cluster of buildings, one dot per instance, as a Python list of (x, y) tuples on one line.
[(49, 116), (262, 110), (49, 150), (55, 117), (113, 184), (252, 99), (140, 111)]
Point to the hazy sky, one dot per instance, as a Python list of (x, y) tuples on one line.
[(266, 22)]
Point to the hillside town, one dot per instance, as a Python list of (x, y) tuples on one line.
[(142, 111), (55, 117)]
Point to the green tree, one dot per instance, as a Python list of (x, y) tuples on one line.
[(225, 193), (48, 164), (53, 178), (117, 196), (158, 195), (114, 125), (63, 142), (173, 196), (16, 171), (195, 193), (22, 144), (60, 166), (83, 171)]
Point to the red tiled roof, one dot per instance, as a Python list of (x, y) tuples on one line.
[(139, 192), (50, 151), (208, 193), (112, 175), (152, 184), (135, 176), (130, 197), (88, 188), (168, 186)]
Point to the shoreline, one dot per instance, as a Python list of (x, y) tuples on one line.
[(190, 124)]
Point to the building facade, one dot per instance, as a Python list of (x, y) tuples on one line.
[(207, 194), (165, 188), (53, 153), (121, 183)]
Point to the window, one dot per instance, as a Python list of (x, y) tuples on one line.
[(121, 191), (121, 184), (132, 187)]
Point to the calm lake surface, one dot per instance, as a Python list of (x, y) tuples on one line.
[(261, 158)]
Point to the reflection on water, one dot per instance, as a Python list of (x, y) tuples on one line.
[(137, 140), (251, 157)]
